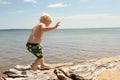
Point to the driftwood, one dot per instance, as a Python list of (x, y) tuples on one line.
[(13, 74), (71, 76)]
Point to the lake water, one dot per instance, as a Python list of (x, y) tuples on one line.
[(62, 45)]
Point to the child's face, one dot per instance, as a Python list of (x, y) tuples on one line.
[(48, 22)]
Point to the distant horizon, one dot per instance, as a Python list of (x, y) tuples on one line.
[(63, 28)]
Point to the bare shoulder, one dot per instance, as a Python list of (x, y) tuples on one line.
[(41, 25), (38, 27)]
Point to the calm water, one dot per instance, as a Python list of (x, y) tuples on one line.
[(67, 45)]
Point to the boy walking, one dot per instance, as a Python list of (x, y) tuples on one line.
[(34, 41)]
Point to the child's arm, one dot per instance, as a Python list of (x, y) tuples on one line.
[(46, 29)]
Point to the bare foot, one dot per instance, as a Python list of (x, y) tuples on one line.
[(45, 67)]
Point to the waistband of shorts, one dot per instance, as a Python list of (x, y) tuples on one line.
[(28, 43)]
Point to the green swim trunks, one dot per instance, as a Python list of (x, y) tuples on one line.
[(35, 49)]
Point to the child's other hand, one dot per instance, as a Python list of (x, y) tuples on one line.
[(57, 24), (41, 46)]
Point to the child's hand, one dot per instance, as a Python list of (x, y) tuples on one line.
[(57, 24)]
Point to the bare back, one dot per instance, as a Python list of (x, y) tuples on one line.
[(36, 34)]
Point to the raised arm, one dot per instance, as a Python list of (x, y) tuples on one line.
[(46, 29)]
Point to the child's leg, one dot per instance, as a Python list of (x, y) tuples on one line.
[(35, 64), (39, 61), (42, 63)]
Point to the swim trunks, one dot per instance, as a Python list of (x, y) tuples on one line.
[(35, 49)]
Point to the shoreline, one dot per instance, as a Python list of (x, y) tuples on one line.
[(96, 69)]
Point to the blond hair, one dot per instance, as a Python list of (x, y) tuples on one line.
[(45, 16)]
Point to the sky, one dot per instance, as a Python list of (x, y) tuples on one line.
[(24, 14)]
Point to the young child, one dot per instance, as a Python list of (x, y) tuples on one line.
[(34, 42)]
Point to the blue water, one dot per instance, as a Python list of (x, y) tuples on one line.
[(63, 45)]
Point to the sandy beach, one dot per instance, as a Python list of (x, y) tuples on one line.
[(95, 69), (110, 73)]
